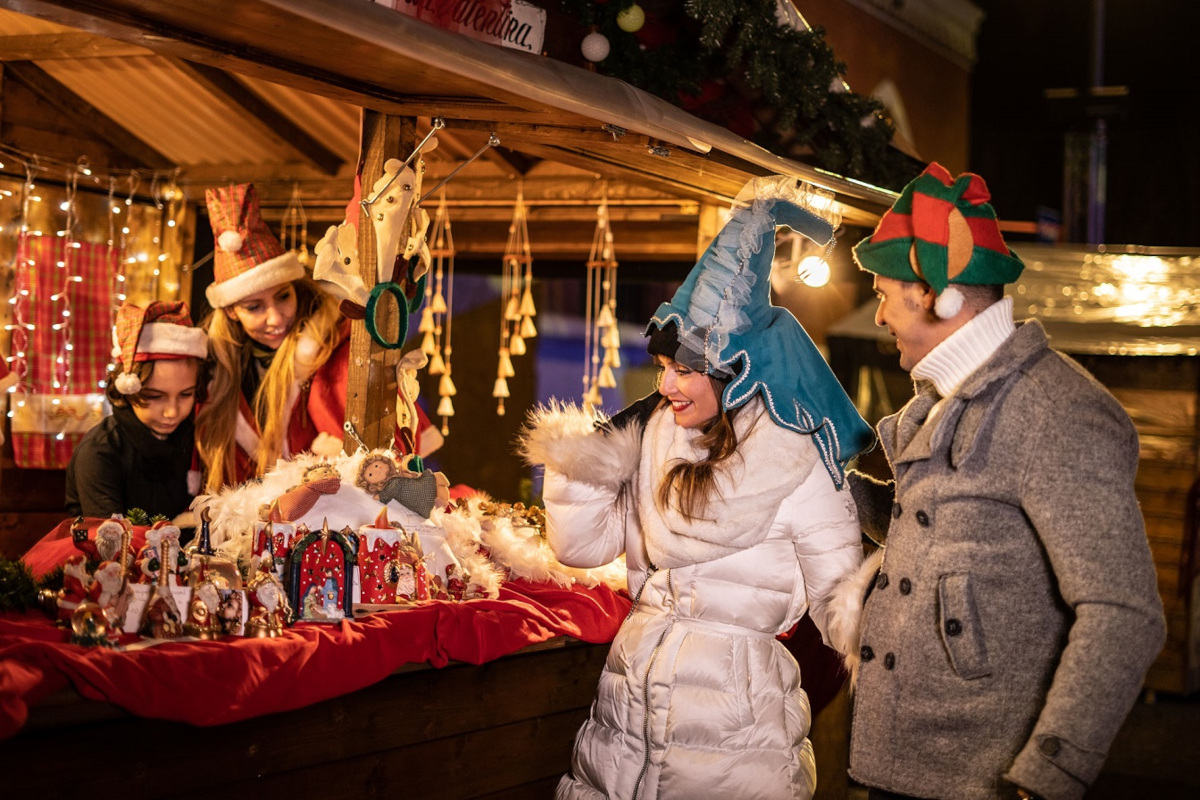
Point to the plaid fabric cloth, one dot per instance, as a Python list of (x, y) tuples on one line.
[(76, 405)]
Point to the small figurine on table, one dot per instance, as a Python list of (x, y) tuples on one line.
[(232, 611), (163, 620), (202, 619), (317, 480), (269, 608), (381, 478), (76, 582), (161, 552)]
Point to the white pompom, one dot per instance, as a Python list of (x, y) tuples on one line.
[(128, 383), (230, 241), (949, 303), (595, 47)]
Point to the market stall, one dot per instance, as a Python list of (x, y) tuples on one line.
[(487, 689)]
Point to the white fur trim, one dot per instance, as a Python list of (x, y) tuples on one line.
[(948, 303), (128, 383), (168, 338), (564, 437), (273, 272), (845, 609), (230, 241)]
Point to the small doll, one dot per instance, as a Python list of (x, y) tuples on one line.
[(319, 479), (381, 478)]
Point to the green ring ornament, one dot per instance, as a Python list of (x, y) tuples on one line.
[(397, 292)]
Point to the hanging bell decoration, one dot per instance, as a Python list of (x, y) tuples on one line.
[(516, 295), (437, 365), (601, 323)]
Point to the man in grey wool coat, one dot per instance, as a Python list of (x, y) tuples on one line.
[(1011, 623)]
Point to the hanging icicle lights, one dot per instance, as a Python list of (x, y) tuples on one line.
[(516, 299), (601, 327), (123, 232), (437, 317)]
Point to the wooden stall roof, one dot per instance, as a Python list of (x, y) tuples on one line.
[(270, 91)]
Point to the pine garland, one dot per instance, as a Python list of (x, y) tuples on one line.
[(18, 589), (738, 48)]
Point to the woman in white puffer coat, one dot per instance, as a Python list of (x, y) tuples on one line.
[(723, 495)]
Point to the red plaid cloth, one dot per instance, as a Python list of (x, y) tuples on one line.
[(38, 423)]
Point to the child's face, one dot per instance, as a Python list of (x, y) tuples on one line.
[(169, 395), (266, 316)]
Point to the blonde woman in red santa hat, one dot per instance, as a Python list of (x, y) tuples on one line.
[(279, 346), (142, 455)]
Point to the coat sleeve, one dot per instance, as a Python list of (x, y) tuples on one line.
[(588, 473), (828, 543), (1078, 493), (584, 522)]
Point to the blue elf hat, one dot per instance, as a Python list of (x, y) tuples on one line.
[(726, 326)]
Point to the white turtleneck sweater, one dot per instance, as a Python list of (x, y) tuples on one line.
[(965, 350)]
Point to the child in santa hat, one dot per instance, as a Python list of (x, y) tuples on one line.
[(280, 350), (142, 455)]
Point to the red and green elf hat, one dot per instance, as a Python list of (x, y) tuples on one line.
[(942, 231)]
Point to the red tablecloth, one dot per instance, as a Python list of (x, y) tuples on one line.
[(234, 678)]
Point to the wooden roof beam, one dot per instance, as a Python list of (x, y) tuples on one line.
[(57, 46), (86, 116), (236, 94)]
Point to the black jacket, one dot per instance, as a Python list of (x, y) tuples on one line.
[(120, 465)]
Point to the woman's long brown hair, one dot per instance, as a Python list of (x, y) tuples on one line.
[(694, 484), (318, 318)]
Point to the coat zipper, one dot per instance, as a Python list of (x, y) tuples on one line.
[(637, 785)]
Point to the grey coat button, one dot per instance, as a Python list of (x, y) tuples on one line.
[(866, 653), (896, 510), (889, 661), (1050, 746), (905, 586), (922, 519), (953, 627), (881, 580)]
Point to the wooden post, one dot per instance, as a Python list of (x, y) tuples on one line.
[(371, 389)]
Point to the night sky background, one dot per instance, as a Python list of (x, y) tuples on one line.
[(1017, 136)]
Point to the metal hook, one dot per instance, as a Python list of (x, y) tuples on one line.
[(348, 428), (438, 124), (493, 141)]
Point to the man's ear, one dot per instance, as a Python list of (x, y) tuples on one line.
[(928, 297)]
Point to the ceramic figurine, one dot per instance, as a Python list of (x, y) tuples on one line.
[(269, 607)]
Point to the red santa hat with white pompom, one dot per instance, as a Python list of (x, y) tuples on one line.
[(248, 257), (161, 330)]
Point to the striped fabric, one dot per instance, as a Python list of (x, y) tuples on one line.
[(72, 408)]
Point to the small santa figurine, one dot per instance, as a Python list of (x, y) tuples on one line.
[(269, 608), (76, 583)]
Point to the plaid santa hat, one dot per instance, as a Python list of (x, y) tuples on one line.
[(157, 332), (942, 231), (248, 257)]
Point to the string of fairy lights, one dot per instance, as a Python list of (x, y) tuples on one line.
[(44, 224)]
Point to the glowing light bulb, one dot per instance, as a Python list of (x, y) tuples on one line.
[(813, 271)]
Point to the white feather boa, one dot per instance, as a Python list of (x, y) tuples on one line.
[(490, 548)]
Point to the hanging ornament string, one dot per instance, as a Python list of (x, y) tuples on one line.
[(294, 232), (437, 318), (20, 326), (601, 322), (515, 314)]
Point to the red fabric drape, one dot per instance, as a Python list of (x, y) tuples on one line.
[(234, 678)]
